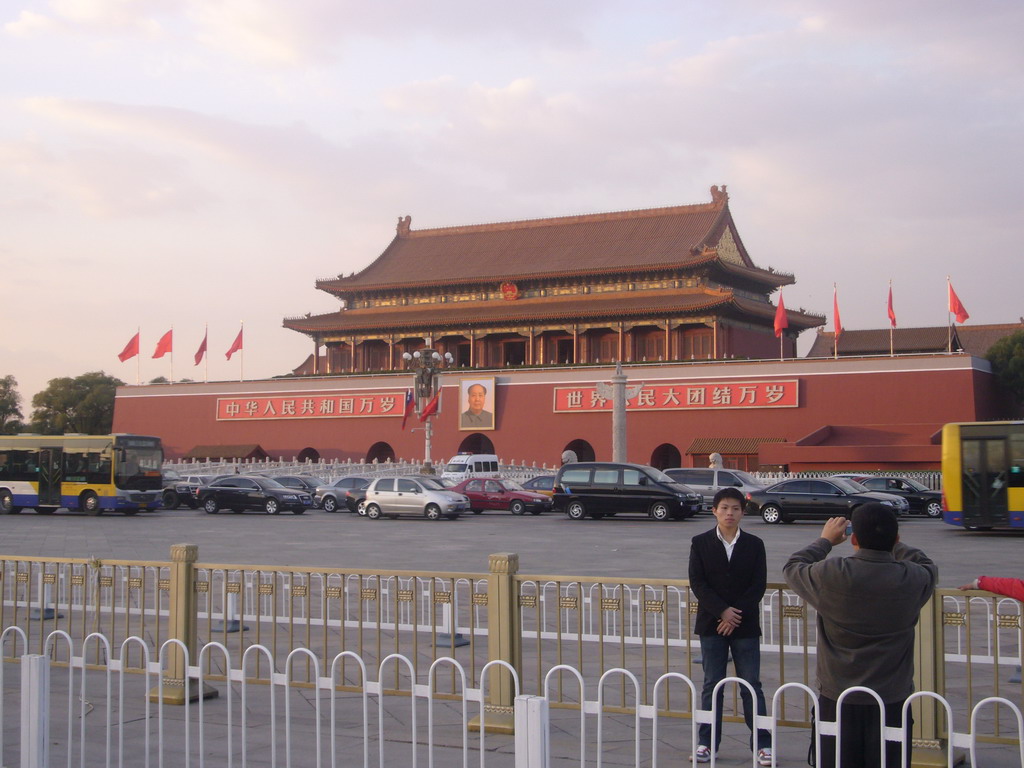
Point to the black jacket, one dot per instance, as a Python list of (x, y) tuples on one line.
[(720, 583)]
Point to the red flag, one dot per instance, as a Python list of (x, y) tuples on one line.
[(165, 345), (430, 408), (892, 312), (408, 408), (836, 322), (202, 349), (781, 318), (955, 306), (131, 349), (237, 345)]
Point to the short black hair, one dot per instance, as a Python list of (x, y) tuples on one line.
[(875, 526), (728, 493)]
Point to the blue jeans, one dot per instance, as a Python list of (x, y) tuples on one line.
[(746, 656)]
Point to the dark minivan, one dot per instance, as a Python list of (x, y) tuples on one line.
[(601, 489)]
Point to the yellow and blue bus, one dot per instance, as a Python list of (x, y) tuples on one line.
[(983, 474), (91, 473)]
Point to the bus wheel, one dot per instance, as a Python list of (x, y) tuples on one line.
[(7, 504), (170, 499), (89, 502)]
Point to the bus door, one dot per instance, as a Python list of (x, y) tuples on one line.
[(985, 475), (51, 461)]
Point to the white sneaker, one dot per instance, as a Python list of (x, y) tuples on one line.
[(764, 757), (701, 755)]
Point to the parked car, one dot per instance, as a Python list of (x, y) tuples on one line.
[(707, 481), (420, 496), (463, 466), (306, 483), (181, 489), (791, 500), (541, 484), (599, 489), (344, 493), (900, 504), (486, 493), (241, 492), (922, 499)]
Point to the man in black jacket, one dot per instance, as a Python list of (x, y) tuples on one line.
[(728, 574)]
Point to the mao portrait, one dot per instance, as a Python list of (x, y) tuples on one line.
[(476, 404)]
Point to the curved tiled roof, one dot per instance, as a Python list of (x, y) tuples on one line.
[(641, 240), (545, 309)]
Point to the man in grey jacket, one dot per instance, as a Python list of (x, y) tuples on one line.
[(868, 605)]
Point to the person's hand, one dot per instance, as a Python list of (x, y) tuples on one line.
[(835, 530), (724, 629), (972, 585), (731, 616)]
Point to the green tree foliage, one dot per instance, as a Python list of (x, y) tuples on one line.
[(82, 404), (1007, 358), (10, 406)]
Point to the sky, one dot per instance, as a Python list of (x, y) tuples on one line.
[(201, 163)]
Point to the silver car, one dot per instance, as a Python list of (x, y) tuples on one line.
[(420, 496), (707, 482)]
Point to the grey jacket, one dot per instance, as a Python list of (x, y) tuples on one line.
[(868, 605)]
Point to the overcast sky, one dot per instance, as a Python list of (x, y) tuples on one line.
[(190, 162)]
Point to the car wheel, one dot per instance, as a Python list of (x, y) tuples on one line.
[(517, 507), (659, 511), (330, 504), (478, 511), (575, 510), (771, 514), (170, 500), (372, 511), (90, 503), (210, 506), (272, 507), (7, 504), (934, 509), (432, 512)]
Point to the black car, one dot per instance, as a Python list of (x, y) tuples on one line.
[(306, 483), (599, 489), (922, 499), (810, 499), (241, 492), (346, 492), (181, 489)]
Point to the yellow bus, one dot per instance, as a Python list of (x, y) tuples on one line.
[(91, 473), (983, 474)]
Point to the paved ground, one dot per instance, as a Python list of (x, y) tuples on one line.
[(547, 544)]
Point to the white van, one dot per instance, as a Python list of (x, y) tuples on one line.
[(467, 465)]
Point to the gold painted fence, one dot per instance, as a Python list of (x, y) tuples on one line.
[(969, 643)]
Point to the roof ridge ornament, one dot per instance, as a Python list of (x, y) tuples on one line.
[(719, 195), (404, 226)]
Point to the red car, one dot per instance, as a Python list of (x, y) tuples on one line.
[(485, 493)]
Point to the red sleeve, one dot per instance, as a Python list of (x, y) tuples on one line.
[(1010, 587)]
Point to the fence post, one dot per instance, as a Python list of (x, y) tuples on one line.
[(35, 711), (504, 641), (181, 625), (531, 745), (929, 675)]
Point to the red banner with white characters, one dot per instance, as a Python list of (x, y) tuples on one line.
[(683, 396), (310, 406)]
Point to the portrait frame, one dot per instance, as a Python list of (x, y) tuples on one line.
[(484, 420)]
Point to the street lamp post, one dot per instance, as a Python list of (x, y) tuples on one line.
[(426, 364)]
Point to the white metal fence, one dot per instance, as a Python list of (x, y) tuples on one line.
[(96, 714)]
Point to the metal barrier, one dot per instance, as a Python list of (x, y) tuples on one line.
[(103, 715), (969, 643)]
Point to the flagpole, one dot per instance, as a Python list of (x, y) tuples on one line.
[(171, 381), (782, 355), (241, 357), (891, 348), (835, 324), (949, 321), (206, 353), (138, 356)]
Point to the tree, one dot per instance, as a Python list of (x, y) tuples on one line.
[(1007, 358), (10, 406), (82, 404)]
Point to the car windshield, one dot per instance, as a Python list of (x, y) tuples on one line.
[(747, 478), (660, 476), (915, 485), (848, 485), (432, 484), (268, 482), (512, 485)]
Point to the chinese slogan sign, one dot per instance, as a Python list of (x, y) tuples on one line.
[(682, 397), (309, 406)]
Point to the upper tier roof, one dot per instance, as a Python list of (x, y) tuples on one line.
[(603, 243)]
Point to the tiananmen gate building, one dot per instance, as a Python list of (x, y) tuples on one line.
[(537, 313)]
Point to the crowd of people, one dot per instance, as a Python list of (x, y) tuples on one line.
[(867, 605)]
